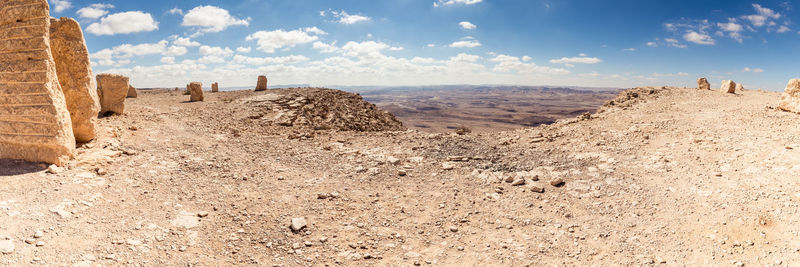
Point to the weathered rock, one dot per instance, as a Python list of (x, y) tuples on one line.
[(557, 182), (75, 76), (196, 91), (298, 224), (214, 87), (790, 100), (702, 83), (132, 92), (6, 246), (262, 83), (112, 90), (35, 123), (728, 86), (739, 87)]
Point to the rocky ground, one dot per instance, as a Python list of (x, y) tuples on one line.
[(665, 176)]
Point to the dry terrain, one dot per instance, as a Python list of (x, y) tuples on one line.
[(662, 176), (485, 108)]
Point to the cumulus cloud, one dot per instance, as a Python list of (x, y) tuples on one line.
[(467, 25), (453, 2), (269, 41), (465, 44), (755, 70), (325, 47), (175, 11), (60, 5), (652, 44), (506, 63), (94, 11), (215, 51), (183, 41), (123, 23), (629, 49), (211, 19), (368, 49), (291, 59), (574, 60), (733, 29), (175, 51), (674, 43), (347, 19), (121, 54), (763, 16), (168, 60), (242, 49), (698, 38)]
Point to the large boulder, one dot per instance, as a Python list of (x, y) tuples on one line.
[(214, 87), (728, 86), (739, 87), (196, 91), (790, 100), (132, 92), (262, 83), (702, 83), (75, 76), (112, 90), (35, 124)]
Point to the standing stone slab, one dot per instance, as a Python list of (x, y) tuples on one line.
[(262, 83), (35, 124), (702, 83), (790, 100), (75, 76), (728, 86), (112, 90), (132, 92), (214, 87), (196, 90)]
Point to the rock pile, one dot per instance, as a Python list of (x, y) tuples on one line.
[(790, 100), (702, 83), (132, 92), (728, 86), (214, 87), (196, 91), (320, 109), (262, 83), (75, 76), (112, 90), (35, 124), (630, 97)]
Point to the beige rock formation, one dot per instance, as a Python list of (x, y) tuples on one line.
[(728, 86), (112, 90), (196, 89), (132, 92), (214, 87), (739, 87), (75, 76), (790, 100), (35, 124), (702, 83), (262, 83)]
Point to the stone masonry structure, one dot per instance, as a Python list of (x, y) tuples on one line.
[(35, 124), (112, 90)]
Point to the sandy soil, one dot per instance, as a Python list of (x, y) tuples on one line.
[(680, 177)]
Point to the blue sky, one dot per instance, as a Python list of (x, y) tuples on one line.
[(427, 42)]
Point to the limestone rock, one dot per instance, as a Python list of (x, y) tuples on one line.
[(790, 100), (728, 86), (298, 224), (214, 87), (132, 92), (262, 83), (702, 83), (196, 90), (739, 87), (112, 90), (35, 124), (75, 76)]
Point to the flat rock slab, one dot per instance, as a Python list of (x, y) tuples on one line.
[(186, 220)]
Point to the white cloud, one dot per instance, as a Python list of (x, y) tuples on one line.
[(367, 50), (434, 45), (183, 41), (526, 58), (211, 19), (652, 44), (574, 60), (464, 57), (755, 70), (629, 49), (467, 25), (452, 2), (763, 16), (60, 5), (314, 30), (324, 47), (678, 74), (174, 51), (269, 41), (674, 43), (121, 54), (168, 60), (783, 29), (507, 63), (123, 23), (698, 38), (215, 51), (242, 49), (347, 19), (733, 29), (94, 11), (465, 44), (291, 59), (211, 59), (175, 11)]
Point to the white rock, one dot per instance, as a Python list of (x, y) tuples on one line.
[(298, 224), (6, 246)]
